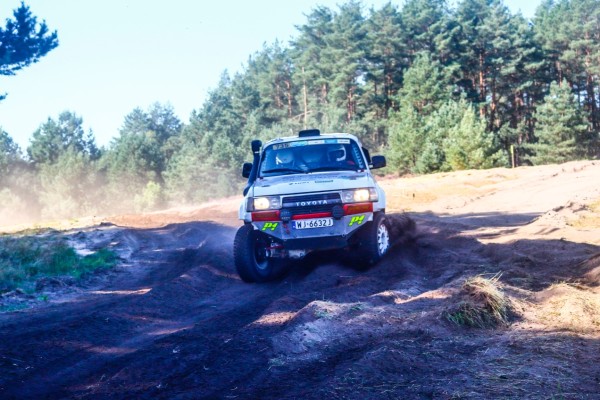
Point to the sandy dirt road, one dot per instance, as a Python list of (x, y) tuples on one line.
[(174, 320)]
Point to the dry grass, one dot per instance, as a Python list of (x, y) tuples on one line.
[(569, 307), (590, 219), (482, 304)]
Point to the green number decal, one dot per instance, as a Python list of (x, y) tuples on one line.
[(270, 225), (358, 220)]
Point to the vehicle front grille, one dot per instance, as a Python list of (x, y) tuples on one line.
[(312, 203)]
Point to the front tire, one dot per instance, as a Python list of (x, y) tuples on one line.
[(374, 241), (250, 256)]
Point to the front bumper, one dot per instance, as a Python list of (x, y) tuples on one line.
[(330, 237)]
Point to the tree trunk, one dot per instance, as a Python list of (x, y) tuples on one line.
[(482, 93), (591, 93), (349, 105), (278, 102), (288, 86), (305, 98)]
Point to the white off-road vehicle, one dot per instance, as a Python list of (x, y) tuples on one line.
[(309, 192)]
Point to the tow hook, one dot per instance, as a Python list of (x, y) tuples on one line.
[(275, 251), (297, 254)]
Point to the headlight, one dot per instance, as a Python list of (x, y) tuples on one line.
[(266, 203), (359, 195)]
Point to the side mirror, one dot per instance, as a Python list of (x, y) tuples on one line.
[(378, 162), (246, 168), (256, 145)]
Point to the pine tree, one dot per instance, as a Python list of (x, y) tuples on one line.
[(386, 59), (23, 41), (561, 130), (70, 186), (55, 137), (423, 21), (9, 155), (270, 72), (569, 33), (467, 144), (521, 84), (426, 87), (584, 54), (407, 140), (345, 51), (134, 163), (17, 184), (313, 72)]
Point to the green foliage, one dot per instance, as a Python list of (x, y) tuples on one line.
[(69, 186), (271, 90), (569, 33), (426, 85), (205, 173), (134, 163), (467, 144), (561, 130), (415, 143), (453, 137), (386, 59), (26, 259), (422, 21), (56, 137), (101, 259), (152, 197), (407, 136), (9, 154), (24, 41)]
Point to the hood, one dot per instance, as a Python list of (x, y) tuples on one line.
[(315, 182)]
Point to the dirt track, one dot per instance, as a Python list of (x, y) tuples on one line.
[(174, 321)]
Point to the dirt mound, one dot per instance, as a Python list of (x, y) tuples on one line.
[(566, 307), (223, 211), (592, 266)]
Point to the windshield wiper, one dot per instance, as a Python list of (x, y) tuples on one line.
[(331, 168), (274, 170)]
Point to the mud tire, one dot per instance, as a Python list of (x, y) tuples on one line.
[(250, 259), (373, 242)]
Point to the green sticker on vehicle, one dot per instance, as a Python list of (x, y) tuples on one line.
[(270, 225), (357, 220)]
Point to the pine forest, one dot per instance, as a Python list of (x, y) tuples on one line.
[(433, 87)]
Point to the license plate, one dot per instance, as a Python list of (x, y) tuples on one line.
[(313, 223)]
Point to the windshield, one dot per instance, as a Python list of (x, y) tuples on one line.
[(315, 155)]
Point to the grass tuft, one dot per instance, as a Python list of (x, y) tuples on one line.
[(590, 219), (483, 304)]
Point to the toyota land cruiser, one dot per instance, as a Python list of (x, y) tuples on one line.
[(309, 192)]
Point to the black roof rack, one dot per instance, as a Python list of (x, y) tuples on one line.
[(309, 132)]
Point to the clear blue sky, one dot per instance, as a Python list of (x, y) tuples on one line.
[(116, 55)]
